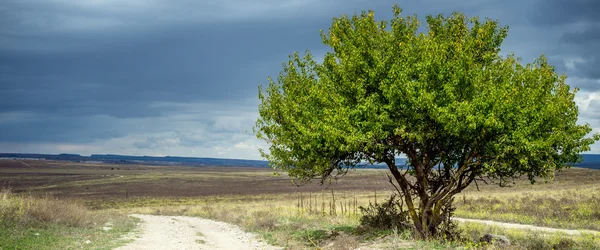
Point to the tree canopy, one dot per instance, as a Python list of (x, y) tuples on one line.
[(446, 98)]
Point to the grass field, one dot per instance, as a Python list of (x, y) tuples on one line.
[(298, 217)]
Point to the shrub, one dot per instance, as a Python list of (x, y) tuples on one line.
[(387, 215), (391, 215)]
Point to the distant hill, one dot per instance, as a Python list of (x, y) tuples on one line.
[(150, 160), (590, 160)]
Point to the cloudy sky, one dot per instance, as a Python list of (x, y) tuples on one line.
[(180, 77)]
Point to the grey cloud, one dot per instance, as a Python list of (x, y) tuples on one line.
[(209, 138), (585, 36), (153, 142), (201, 124), (568, 33), (589, 69), (592, 109), (54, 128), (561, 12), (60, 13), (207, 134), (586, 43), (185, 65), (584, 84)]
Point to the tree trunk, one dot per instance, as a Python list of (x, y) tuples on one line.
[(426, 218)]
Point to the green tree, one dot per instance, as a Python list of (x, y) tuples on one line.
[(446, 99)]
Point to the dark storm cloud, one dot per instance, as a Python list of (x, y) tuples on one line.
[(587, 43), (56, 129), (158, 76), (179, 65), (578, 23), (561, 12), (587, 36)]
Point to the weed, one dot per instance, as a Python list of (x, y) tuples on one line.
[(311, 238), (344, 242), (564, 244), (264, 220)]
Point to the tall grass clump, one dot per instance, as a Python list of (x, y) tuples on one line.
[(26, 209), (44, 222)]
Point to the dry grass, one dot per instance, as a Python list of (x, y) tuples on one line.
[(28, 209), (343, 242), (525, 239), (574, 209), (571, 200), (43, 222)]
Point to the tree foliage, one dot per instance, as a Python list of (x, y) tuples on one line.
[(447, 99)]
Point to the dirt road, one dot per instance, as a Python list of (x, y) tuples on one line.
[(182, 232)]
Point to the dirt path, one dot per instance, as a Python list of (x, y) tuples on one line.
[(529, 227), (29, 166), (182, 232)]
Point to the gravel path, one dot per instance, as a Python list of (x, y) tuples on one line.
[(528, 227), (182, 232)]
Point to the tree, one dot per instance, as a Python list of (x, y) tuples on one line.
[(446, 99)]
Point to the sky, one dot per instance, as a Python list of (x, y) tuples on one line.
[(181, 77)]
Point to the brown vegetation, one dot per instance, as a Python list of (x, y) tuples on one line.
[(98, 181), (28, 209)]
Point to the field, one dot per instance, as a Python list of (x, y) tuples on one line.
[(103, 181), (296, 217)]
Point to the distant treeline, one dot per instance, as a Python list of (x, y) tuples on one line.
[(590, 160)]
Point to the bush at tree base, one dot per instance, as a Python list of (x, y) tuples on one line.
[(391, 214)]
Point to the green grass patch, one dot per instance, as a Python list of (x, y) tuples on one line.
[(57, 236)]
